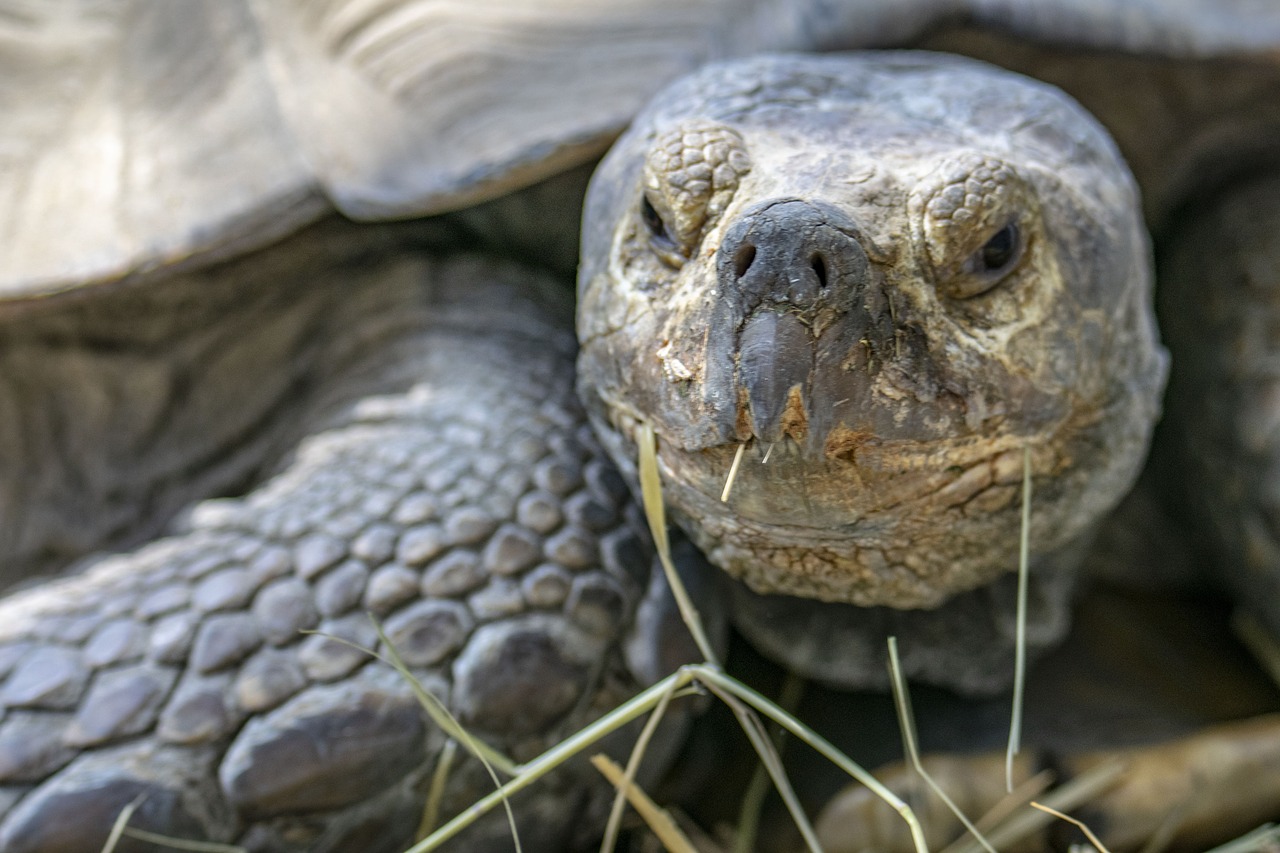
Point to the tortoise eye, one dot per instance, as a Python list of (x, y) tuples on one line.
[(691, 173), (988, 266), (1000, 251), (653, 220), (661, 241), (979, 217)]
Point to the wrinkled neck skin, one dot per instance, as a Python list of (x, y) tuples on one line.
[(883, 280), (122, 407)]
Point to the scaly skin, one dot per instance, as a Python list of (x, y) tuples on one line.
[(449, 486), (888, 274)]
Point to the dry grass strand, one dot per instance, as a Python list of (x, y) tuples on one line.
[(1079, 824), (907, 724), (655, 817)]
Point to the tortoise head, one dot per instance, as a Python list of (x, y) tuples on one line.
[(876, 282)]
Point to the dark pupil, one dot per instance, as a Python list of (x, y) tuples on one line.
[(1000, 249), (652, 220)]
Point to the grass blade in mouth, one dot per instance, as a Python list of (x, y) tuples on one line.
[(733, 472), (1020, 636)]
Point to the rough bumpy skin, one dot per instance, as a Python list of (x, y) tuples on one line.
[(449, 486), (884, 277)]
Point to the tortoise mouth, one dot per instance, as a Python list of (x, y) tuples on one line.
[(852, 481), (905, 524), (909, 533)]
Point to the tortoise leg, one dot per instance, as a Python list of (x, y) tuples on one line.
[(459, 498), (1220, 311)]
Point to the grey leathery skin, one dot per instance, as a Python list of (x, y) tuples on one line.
[(447, 485)]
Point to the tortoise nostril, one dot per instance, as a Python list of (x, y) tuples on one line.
[(743, 258), (819, 266), (789, 252)]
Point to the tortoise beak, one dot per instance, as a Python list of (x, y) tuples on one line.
[(775, 363), (791, 286)]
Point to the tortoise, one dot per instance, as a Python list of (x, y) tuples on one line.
[(232, 415)]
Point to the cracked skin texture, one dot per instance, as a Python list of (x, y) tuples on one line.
[(905, 290)]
